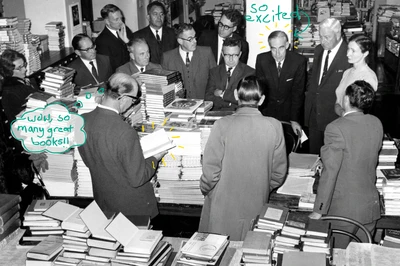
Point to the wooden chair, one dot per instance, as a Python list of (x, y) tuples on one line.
[(351, 221)]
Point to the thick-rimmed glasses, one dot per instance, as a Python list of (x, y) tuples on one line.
[(88, 49), (190, 39), (135, 100), (225, 27), (19, 68), (231, 56)]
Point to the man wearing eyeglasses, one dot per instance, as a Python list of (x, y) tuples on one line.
[(159, 37), (227, 26), (114, 37), (112, 152), (91, 68), (283, 75), (192, 61), (225, 78), (140, 58)]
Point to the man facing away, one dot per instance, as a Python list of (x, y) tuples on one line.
[(283, 76), (112, 152), (224, 78), (194, 62), (91, 68), (330, 61), (159, 37), (114, 37)]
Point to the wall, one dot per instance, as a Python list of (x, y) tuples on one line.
[(14, 8), (128, 7), (211, 3)]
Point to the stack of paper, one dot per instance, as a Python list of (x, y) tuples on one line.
[(84, 181), (30, 49)]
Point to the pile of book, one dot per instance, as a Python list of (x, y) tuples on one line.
[(391, 191), (158, 91), (271, 218), (391, 238), (306, 201), (9, 215), (257, 248), (202, 249), (317, 237), (30, 48), (84, 181), (55, 31), (309, 35), (10, 38), (203, 110), (58, 81), (386, 12), (45, 252), (387, 155), (291, 258)]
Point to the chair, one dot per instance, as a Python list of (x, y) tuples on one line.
[(291, 138), (344, 219)]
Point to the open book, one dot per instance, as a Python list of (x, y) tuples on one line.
[(156, 142)]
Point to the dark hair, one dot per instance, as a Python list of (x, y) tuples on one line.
[(232, 41), (107, 9), (183, 27), (361, 95), (364, 42), (76, 40), (136, 40), (118, 84), (277, 34), (233, 15), (7, 59), (155, 3), (249, 89)]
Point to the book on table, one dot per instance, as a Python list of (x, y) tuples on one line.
[(183, 106), (8, 201), (204, 245), (303, 259), (392, 235), (5, 217), (272, 214), (39, 206), (317, 228), (61, 211), (296, 223), (185, 259), (46, 249), (257, 243), (132, 238)]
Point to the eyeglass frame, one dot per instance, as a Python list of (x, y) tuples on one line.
[(135, 99), (88, 49), (190, 39), (226, 27), (231, 56), (24, 65)]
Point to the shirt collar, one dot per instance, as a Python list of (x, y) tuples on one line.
[(183, 53), (112, 31), (350, 112), (108, 108), (154, 31)]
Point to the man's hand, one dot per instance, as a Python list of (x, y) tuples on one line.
[(160, 155), (218, 93), (315, 216), (122, 34), (296, 128), (39, 161)]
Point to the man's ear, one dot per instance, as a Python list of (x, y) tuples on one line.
[(260, 102), (235, 93), (287, 45), (78, 52)]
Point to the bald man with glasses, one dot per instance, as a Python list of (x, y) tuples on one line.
[(91, 68), (228, 24)]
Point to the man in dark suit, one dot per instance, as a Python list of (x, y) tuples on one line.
[(114, 37), (140, 56), (225, 78), (91, 68), (330, 61), (227, 25), (159, 37), (112, 152), (350, 155), (192, 61), (283, 76)]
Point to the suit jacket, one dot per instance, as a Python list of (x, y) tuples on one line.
[(108, 44), (196, 76), (284, 94), (350, 155), (168, 42), (120, 174), (322, 96), (218, 79), (130, 68), (240, 167), (84, 76), (210, 38)]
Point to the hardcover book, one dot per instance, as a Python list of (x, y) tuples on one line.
[(204, 245), (8, 201), (46, 249), (256, 243), (155, 143), (61, 211), (274, 214), (183, 105)]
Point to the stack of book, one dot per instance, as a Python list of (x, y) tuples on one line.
[(84, 186), (271, 218), (390, 191), (156, 142), (317, 237), (391, 238), (203, 109), (257, 248), (291, 258), (45, 252), (38, 226), (9, 214), (38, 99), (30, 50), (158, 90), (58, 81), (10, 38), (202, 249), (306, 201), (86, 100), (388, 154), (55, 31)]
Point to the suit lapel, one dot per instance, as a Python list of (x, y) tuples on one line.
[(271, 64), (85, 72), (132, 67), (195, 62), (335, 62)]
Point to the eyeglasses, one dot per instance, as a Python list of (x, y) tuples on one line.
[(19, 68), (190, 39), (88, 49), (135, 100), (225, 27), (231, 56)]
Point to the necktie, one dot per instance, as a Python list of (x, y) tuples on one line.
[(94, 71), (228, 75), (187, 59), (279, 68), (325, 65), (158, 36), (141, 69)]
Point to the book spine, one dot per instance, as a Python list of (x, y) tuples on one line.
[(10, 204)]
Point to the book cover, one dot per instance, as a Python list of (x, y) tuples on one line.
[(132, 238), (161, 72), (39, 206), (100, 252), (392, 235), (183, 105), (60, 72), (105, 244), (155, 143), (318, 227), (391, 174), (297, 220), (7, 201), (46, 249), (274, 213), (291, 258), (61, 211), (204, 245), (74, 223), (256, 243), (5, 217)]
